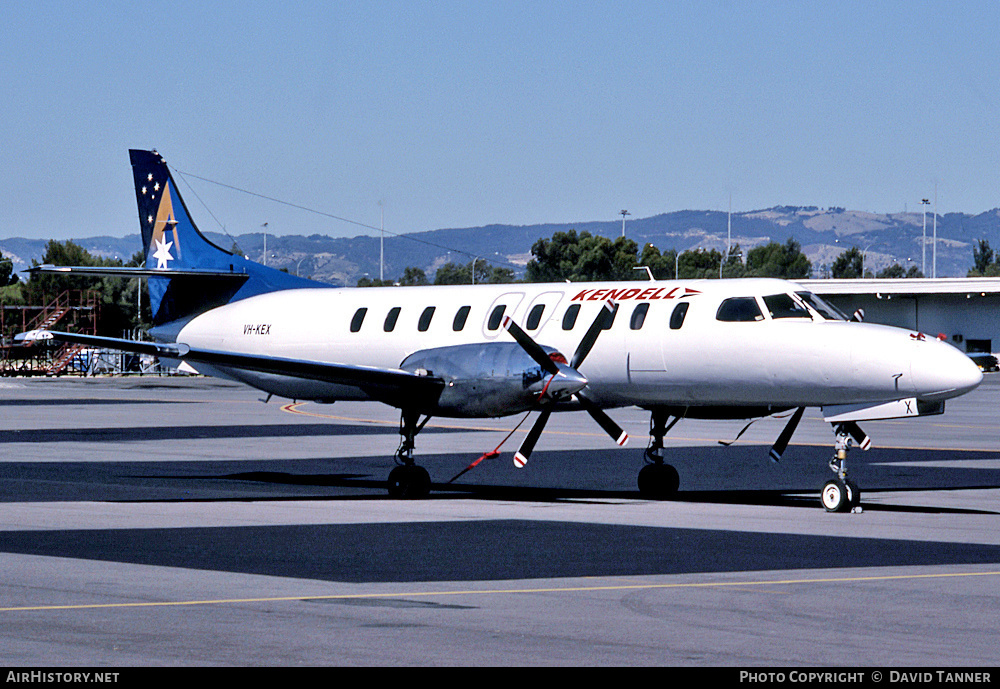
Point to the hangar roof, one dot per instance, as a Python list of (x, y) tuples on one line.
[(909, 286)]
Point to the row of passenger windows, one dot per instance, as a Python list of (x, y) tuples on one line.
[(532, 322)]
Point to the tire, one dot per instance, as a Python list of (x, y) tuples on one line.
[(835, 496), (409, 482), (658, 481)]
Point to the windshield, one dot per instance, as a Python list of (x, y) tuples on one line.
[(827, 311), (784, 306)]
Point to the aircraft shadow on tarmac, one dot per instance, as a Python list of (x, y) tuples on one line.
[(735, 475)]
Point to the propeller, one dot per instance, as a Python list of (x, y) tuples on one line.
[(781, 444), (565, 380)]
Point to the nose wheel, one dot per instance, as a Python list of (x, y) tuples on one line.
[(840, 494)]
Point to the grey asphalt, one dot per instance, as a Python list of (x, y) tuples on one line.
[(182, 521)]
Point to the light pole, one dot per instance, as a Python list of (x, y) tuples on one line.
[(923, 244), (381, 243), (934, 251), (623, 213)]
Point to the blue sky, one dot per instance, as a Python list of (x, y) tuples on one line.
[(457, 114)]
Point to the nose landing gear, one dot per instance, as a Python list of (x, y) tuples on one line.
[(840, 494)]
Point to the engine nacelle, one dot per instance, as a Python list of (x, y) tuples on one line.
[(486, 379)]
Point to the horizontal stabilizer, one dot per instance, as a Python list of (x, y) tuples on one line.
[(124, 272), (911, 406)]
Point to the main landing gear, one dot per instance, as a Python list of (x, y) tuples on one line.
[(657, 480), (408, 480), (840, 494)]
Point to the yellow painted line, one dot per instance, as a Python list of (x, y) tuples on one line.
[(509, 591)]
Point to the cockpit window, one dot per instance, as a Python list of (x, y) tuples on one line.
[(739, 309), (827, 311), (783, 306)]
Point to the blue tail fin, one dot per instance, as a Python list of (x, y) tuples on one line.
[(171, 242)]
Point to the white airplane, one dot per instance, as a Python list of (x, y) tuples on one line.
[(698, 349)]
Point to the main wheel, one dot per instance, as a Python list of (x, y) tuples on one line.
[(836, 496), (408, 482), (658, 481)]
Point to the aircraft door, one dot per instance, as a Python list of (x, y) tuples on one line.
[(647, 324)]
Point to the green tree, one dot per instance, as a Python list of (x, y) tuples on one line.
[(582, 258), (776, 260), (848, 265), (985, 262), (118, 309), (661, 265), (413, 276), (699, 263), (7, 275)]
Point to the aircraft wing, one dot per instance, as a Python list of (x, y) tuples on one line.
[(380, 382)]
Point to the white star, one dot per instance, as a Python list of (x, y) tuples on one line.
[(149, 178), (144, 191), (162, 254), (156, 187)]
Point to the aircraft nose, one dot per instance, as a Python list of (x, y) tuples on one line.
[(940, 371)]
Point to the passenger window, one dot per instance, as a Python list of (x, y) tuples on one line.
[(677, 317), (569, 318), (639, 316), (535, 317), (460, 318), (783, 306), (739, 309), (425, 319), (496, 317), (390, 319), (359, 318)]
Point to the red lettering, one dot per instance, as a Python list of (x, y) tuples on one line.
[(580, 296), (613, 293), (629, 293), (645, 294), (598, 293), (670, 294)]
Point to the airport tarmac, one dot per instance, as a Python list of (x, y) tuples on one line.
[(182, 521)]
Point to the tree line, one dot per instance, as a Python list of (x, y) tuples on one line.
[(572, 256)]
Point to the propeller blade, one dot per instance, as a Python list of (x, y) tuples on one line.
[(860, 437), (781, 444), (604, 421), (533, 349), (521, 456), (587, 343)]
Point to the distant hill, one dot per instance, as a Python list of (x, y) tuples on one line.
[(824, 233)]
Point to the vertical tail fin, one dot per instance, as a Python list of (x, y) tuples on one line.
[(172, 242)]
